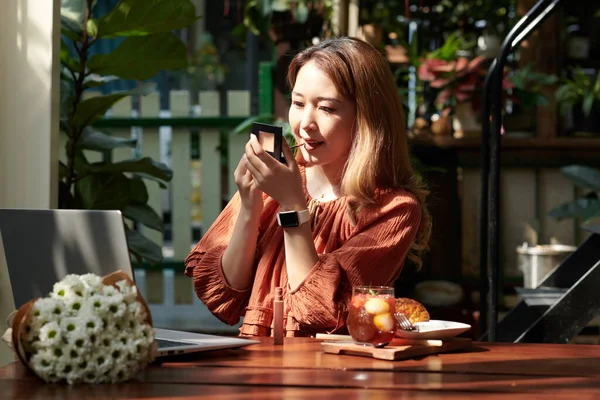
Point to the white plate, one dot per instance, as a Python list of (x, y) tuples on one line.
[(434, 329)]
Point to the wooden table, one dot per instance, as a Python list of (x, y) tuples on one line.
[(299, 370)]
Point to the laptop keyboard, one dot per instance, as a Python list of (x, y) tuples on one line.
[(163, 343)]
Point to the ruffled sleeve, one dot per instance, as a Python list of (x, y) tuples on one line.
[(203, 264), (373, 255)]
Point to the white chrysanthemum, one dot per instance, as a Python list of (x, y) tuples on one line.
[(67, 363), (71, 286), (73, 305), (130, 348), (31, 330), (109, 306), (47, 309), (88, 332), (117, 307), (102, 362), (90, 323), (35, 325), (137, 312), (143, 332), (71, 326), (43, 361), (125, 358), (81, 340), (128, 291), (109, 290), (50, 334), (92, 282)]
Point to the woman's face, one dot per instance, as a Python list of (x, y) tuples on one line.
[(321, 119)]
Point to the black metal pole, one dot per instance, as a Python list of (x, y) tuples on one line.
[(490, 164), (485, 194), (252, 58)]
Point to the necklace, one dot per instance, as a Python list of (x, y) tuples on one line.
[(318, 177), (314, 205)]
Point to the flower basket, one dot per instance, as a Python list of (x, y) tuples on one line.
[(89, 330)]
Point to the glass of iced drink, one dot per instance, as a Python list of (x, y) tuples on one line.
[(371, 315)]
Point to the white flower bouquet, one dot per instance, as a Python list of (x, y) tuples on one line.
[(88, 330)]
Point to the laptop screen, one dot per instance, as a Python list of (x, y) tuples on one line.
[(43, 246)]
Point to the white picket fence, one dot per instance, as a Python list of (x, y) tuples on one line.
[(194, 197), (191, 315)]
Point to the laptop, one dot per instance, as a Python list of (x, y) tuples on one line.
[(43, 246)]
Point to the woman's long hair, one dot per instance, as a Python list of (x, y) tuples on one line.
[(379, 157)]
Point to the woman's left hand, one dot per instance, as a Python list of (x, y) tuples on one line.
[(280, 181)]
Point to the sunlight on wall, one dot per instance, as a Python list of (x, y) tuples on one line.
[(29, 83)]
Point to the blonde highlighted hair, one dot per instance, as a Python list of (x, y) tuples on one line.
[(379, 157)]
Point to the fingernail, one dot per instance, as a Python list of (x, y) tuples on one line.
[(252, 135)]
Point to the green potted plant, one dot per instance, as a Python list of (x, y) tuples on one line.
[(293, 21), (148, 46), (586, 207), (527, 92), (579, 97)]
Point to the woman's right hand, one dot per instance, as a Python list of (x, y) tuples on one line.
[(251, 196)]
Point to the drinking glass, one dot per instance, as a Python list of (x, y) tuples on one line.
[(371, 315)]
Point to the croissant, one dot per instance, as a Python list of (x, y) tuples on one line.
[(412, 309)]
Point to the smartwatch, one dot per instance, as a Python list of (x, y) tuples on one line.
[(293, 219)]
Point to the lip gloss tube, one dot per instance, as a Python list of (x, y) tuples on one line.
[(278, 316)]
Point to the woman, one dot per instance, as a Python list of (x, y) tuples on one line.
[(346, 211)]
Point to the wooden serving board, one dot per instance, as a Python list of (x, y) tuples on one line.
[(396, 351)]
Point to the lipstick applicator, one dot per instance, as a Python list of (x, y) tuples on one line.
[(278, 316)]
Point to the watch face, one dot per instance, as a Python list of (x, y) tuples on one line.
[(288, 219)]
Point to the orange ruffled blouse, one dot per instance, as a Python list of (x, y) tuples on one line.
[(370, 252)]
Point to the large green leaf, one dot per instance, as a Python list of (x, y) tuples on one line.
[(144, 214), (67, 92), (567, 93), (143, 247), (143, 165), (81, 163), (110, 191), (72, 13), (597, 86), (104, 191), (588, 103), (141, 57), (94, 108), (162, 184), (95, 80), (68, 33), (65, 58), (255, 19), (138, 192), (583, 176), (245, 126), (143, 17), (584, 208), (92, 139)]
